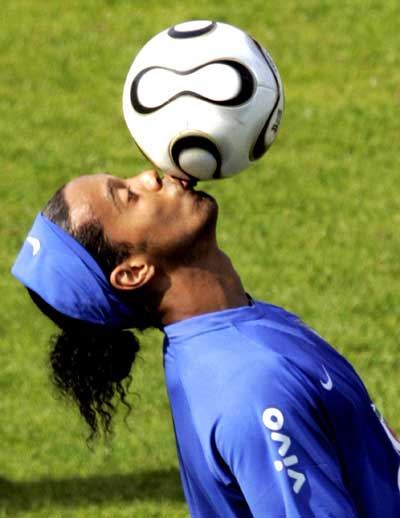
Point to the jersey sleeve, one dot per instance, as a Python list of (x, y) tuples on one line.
[(273, 440)]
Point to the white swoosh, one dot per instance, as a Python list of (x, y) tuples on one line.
[(328, 384), (398, 479), (34, 241)]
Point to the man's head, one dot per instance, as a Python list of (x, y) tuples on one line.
[(127, 233), (107, 250), (139, 231), (156, 222)]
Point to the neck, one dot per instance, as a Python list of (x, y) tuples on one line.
[(194, 289)]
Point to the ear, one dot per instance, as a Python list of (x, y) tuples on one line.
[(131, 274)]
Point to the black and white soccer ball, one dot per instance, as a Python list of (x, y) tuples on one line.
[(203, 100)]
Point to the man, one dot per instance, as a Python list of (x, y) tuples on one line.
[(269, 420)]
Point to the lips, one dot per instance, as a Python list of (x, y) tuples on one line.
[(186, 184)]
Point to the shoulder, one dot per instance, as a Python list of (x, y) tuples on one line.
[(266, 397), (243, 366)]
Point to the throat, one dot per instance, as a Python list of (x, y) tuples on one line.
[(202, 289)]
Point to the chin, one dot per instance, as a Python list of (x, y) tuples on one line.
[(198, 241), (204, 194), (209, 223), (203, 197), (208, 204)]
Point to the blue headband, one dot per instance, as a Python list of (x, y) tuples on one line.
[(61, 271)]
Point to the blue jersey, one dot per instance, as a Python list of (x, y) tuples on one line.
[(270, 421)]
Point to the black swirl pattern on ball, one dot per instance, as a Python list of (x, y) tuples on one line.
[(196, 141), (244, 94), (178, 34), (260, 147)]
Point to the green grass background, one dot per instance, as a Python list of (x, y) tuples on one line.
[(313, 226)]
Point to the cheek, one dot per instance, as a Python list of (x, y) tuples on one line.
[(156, 223), (167, 214), (125, 228)]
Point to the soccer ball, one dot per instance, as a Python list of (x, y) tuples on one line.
[(203, 100)]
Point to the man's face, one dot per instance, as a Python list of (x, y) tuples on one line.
[(165, 214)]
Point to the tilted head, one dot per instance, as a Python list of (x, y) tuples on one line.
[(129, 234), (133, 233)]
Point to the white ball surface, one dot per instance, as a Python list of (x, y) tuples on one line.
[(203, 100)]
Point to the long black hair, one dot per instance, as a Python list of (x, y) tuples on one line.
[(91, 364)]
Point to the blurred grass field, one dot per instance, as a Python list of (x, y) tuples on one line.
[(311, 227)]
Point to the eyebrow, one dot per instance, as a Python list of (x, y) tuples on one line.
[(112, 186)]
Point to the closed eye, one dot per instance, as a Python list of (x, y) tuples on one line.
[(132, 196)]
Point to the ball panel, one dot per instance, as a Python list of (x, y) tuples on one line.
[(197, 162), (226, 82), (187, 151), (271, 126), (216, 82), (191, 29), (148, 93)]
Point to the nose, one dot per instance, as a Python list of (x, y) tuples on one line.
[(150, 180)]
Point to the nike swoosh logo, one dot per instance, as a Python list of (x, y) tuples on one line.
[(398, 479), (328, 384), (34, 241)]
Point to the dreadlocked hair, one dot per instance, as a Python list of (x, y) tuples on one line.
[(76, 357), (90, 363)]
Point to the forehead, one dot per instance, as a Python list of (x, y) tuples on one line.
[(86, 197)]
